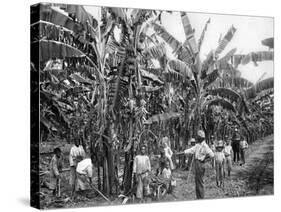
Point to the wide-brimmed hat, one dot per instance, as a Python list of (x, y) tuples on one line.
[(201, 133)]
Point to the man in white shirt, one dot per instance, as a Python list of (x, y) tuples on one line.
[(75, 151), (201, 153), (84, 172), (141, 168), (243, 146)]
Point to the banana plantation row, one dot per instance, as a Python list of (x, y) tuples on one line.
[(110, 83)]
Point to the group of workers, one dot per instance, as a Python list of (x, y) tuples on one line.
[(219, 153), (81, 169)]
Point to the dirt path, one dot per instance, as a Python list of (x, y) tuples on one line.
[(254, 178)]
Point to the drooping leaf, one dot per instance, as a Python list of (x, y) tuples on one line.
[(80, 13), (268, 42), (257, 57), (258, 87), (225, 93), (77, 77), (226, 39), (167, 37), (211, 78), (181, 68), (58, 18), (156, 51), (241, 82), (150, 88), (220, 102), (150, 76), (54, 49)]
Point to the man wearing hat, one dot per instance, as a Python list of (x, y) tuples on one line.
[(201, 153), (235, 145)]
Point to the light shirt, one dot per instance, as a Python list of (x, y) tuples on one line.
[(219, 157), (243, 144), (74, 152), (85, 167), (201, 151), (227, 150), (166, 173), (55, 166), (168, 152), (141, 164)]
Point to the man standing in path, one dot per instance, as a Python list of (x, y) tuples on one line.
[(141, 168), (243, 146), (75, 151), (235, 145), (201, 153)]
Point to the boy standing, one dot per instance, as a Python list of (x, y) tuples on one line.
[(227, 153), (55, 168), (219, 163)]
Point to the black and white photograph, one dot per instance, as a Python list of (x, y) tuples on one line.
[(136, 106)]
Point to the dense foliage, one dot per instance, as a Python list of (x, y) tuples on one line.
[(110, 82)]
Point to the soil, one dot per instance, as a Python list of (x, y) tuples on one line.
[(253, 178)]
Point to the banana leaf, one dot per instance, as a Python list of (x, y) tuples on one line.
[(81, 14), (118, 13), (225, 93), (241, 82), (54, 49), (189, 33), (211, 78), (162, 117), (150, 76), (202, 36), (269, 42), (226, 39), (156, 51), (167, 37), (150, 88), (259, 87), (220, 102), (257, 57), (77, 77), (181, 68), (56, 17)]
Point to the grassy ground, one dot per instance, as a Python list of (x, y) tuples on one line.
[(254, 178)]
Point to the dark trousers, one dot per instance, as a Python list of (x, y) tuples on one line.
[(236, 152), (242, 152), (199, 183)]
